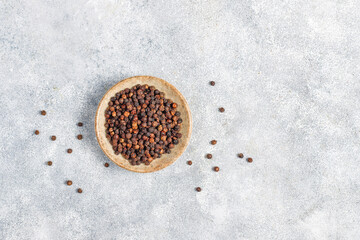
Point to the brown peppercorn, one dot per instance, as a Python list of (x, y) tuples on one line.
[(69, 150), (189, 162), (106, 164), (69, 182), (213, 142), (79, 136), (43, 112), (209, 156), (249, 160), (216, 169), (198, 189), (37, 132), (212, 83), (79, 190), (53, 138), (222, 109), (80, 124), (240, 155), (49, 163)]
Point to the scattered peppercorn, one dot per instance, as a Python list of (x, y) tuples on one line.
[(69, 150), (37, 132), (216, 169), (79, 190), (53, 138), (198, 189), (240, 155), (222, 109), (213, 142), (80, 124), (79, 136), (249, 160), (49, 163), (212, 83), (209, 156), (43, 112), (106, 164), (141, 124), (69, 183), (189, 162)]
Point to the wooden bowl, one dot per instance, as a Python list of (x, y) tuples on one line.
[(170, 92)]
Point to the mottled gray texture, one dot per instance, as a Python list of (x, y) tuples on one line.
[(287, 73)]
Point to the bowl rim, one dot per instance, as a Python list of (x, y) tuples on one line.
[(187, 109)]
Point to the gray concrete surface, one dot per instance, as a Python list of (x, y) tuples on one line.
[(287, 73)]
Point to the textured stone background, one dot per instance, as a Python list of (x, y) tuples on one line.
[(287, 73)]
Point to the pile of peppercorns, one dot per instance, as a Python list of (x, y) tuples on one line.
[(142, 124)]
